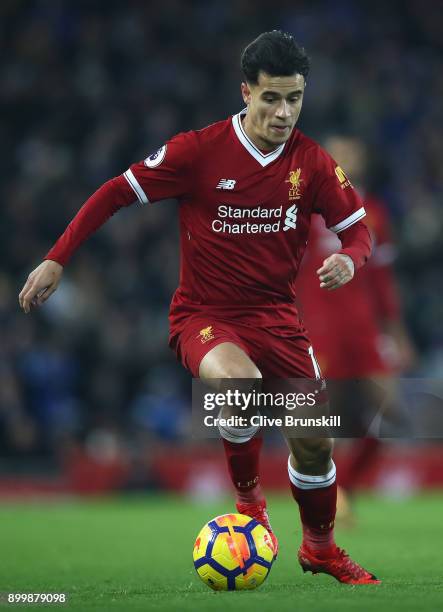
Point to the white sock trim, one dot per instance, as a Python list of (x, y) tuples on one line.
[(306, 481), (237, 434)]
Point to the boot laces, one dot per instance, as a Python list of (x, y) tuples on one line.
[(257, 512), (346, 566)]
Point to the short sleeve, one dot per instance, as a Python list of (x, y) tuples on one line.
[(334, 196), (166, 173)]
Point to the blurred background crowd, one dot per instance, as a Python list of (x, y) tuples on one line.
[(88, 87)]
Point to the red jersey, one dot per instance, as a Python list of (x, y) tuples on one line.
[(244, 219), (244, 215)]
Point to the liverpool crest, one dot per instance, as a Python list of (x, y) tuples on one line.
[(206, 334), (295, 181)]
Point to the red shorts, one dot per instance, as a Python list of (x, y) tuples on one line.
[(277, 354)]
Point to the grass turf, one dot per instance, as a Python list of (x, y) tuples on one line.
[(136, 554)]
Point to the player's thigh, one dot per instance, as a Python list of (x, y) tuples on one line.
[(288, 357), (228, 360), (296, 373), (211, 349), (227, 367)]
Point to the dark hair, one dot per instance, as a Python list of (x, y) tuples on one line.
[(276, 53)]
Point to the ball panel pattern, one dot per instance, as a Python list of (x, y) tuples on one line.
[(233, 552)]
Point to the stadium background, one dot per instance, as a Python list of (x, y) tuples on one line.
[(91, 398)]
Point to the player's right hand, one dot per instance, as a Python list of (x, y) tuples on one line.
[(41, 283)]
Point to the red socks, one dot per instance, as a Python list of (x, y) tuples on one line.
[(317, 499), (315, 495), (243, 465)]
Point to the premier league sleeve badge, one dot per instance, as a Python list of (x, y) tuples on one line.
[(155, 159)]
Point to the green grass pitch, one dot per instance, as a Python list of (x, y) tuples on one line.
[(136, 554)]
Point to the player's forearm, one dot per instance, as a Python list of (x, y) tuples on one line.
[(93, 214), (356, 242)]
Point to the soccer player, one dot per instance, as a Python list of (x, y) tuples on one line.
[(247, 187), (370, 302)]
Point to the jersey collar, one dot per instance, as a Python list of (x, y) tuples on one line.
[(263, 158)]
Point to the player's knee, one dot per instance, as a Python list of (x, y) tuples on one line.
[(248, 372), (245, 380), (227, 378)]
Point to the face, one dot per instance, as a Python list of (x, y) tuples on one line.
[(274, 105)]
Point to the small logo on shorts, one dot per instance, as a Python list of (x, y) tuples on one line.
[(206, 334)]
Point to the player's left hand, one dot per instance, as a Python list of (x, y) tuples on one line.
[(336, 271)]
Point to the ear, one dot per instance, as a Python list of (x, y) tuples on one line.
[(246, 93)]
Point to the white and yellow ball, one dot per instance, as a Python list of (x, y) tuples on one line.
[(233, 552)]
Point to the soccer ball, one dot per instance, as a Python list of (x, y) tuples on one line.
[(233, 552)]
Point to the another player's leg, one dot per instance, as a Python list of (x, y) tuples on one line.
[(242, 446), (361, 454), (313, 483), (370, 396)]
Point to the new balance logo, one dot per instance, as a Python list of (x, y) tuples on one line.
[(226, 184)]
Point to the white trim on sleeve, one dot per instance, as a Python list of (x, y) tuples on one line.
[(133, 182), (356, 216)]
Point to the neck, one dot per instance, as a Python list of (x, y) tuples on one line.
[(261, 144)]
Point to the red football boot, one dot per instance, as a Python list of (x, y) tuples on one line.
[(340, 566), (259, 513)]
